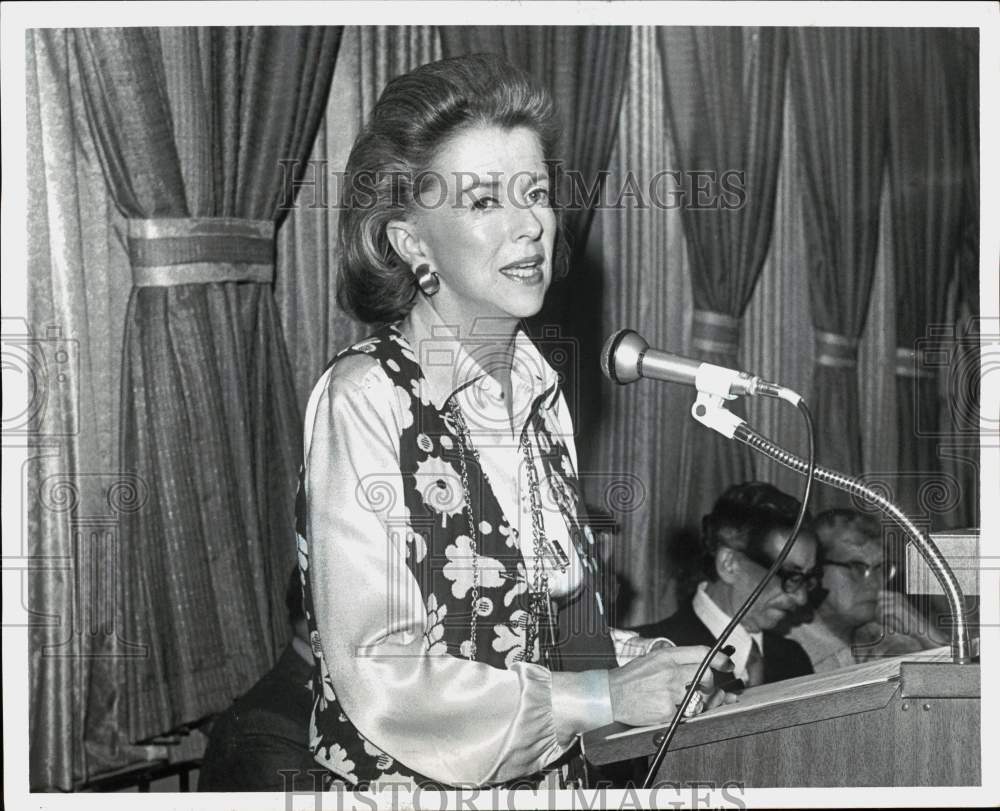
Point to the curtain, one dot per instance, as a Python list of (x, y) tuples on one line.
[(959, 448), (836, 82), (78, 286), (192, 127), (725, 99), (633, 447), (925, 174), (315, 327), (584, 68), (966, 44), (776, 331)]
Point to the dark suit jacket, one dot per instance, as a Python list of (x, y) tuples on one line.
[(783, 658), (263, 732)]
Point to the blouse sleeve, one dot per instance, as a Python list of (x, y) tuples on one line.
[(455, 721)]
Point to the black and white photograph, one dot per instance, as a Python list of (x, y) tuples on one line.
[(500, 405)]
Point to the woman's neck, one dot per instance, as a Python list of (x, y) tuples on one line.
[(489, 340)]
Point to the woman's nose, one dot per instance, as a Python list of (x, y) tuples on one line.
[(527, 223)]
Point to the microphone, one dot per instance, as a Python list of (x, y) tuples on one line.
[(626, 357)]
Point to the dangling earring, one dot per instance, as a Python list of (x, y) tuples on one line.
[(427, 279)]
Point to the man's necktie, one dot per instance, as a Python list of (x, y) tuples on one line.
[(755, 666)]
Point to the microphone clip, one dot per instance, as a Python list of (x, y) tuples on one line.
[(710, 410)]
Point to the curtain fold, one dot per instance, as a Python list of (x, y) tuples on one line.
[(924, 101), (630, 452), (78, 282), (967, 47), (195, 123), (836, 83), (725, 90)]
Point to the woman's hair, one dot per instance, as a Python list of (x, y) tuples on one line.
[(414, 117), (847, 526)]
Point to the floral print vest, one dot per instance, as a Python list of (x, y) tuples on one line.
[(440, 551)]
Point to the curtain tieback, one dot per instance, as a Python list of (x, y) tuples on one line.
[(836, 351), (717, 333), (910, 363), (200, 250)]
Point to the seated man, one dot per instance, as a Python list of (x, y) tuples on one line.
[(740, 539), (266, 731), (857, 618)]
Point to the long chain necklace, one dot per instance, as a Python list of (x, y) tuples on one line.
[(464, 446), (540, 604)]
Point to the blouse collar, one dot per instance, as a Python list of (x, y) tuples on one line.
[(450, 365)]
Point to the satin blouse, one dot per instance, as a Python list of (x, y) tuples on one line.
[(454, 720)]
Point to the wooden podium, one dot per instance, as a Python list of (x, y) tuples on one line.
[(896, 722)]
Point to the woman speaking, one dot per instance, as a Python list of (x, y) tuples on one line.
[(452, 596)]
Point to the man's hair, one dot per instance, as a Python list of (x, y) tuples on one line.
[(293, 598), (848, 526), (742, 518), (416, 115)]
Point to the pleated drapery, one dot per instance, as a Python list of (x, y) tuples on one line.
[(725, 91), (837, 87), (926, 162), (78, 286), (630, 449), (194, 129)]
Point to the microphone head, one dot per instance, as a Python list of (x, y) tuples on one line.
[(621, 356)]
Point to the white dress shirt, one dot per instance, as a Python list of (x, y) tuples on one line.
[(716, 620)]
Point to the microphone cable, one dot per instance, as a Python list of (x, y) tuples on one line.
[(809, 472)]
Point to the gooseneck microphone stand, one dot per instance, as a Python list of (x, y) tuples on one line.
[(709, 410), (626, 357)]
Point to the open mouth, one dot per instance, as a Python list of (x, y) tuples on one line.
[(528, 269)]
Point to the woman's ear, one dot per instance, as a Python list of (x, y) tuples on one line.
[(405, 242)]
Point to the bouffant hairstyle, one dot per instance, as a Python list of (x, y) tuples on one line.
[(413, 119), (848, 526), (742, 518)]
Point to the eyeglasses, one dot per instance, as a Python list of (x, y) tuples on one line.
[(863, 571), (792, 580)]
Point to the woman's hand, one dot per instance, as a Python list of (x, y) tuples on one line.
[(648, 689)]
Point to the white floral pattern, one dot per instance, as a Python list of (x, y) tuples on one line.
[(439, 486), (459, 570), (382, 760), (335, 758), (416, 545), (405, 407), (303, 551), (420, 391), (518, 588), (397, 781), (510, 637), (434, 641)]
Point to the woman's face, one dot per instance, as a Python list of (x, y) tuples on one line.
[(488, 231)]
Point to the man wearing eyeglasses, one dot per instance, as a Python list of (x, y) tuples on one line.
[(855, 619), (740, 539)]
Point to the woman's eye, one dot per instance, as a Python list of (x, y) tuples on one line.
[(484, 203), (539, 195)]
